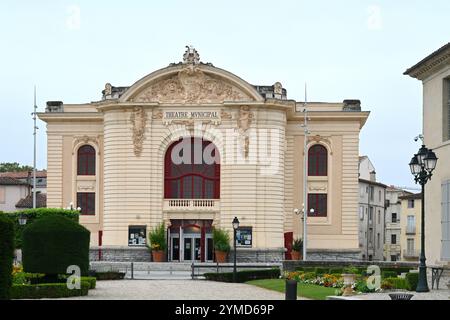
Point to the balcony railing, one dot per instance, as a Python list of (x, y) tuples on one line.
[(411, 230), (408, 253), (191, 205)]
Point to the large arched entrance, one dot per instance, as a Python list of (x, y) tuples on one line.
[(191, 175)]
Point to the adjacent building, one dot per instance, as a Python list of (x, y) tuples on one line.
[(11, 191), (410, 222), (434, 72), (372, 200), (27, 176), (193, 146), (393, 230)]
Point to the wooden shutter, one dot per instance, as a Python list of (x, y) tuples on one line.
[(445, 221)]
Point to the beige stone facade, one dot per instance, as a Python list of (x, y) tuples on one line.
[(258, 134), (410, 223), (434, 72)]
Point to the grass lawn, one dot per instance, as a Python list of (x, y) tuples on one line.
[(309, 291)]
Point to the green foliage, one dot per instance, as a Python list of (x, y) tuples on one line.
[(6, 256), (388, 274), (336, 270), (48, 290), (54, 242), (352, 270), (361, 285), (109, 275), (397, 270), (34, 214), (394, 283), (412, 279), (244, 275), (14, 167), (221, 240), (321, 271), (157, 237), (91, 280), (297, 245)]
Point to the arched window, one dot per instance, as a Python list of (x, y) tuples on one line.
[(192, 170), (86, 161), (317, 161)]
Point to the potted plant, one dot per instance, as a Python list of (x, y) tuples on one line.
[(297, 248), (349, 277), (158, 244), (221, 241)]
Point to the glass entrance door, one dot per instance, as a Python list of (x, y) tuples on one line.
[(192, 247)]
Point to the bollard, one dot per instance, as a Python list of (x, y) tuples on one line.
[(132, 270), (291, 290)]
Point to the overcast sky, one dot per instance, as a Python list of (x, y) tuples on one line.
[(350, 49)]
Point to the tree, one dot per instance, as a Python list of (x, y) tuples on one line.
[(14, 167)]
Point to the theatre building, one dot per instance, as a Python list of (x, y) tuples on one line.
[(193, 146)]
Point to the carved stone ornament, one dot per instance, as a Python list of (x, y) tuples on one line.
[(108, 89), (278, 88), (191, 55), (318, 138), (244, 121), (138, 119), (191, 85), (85, 139)]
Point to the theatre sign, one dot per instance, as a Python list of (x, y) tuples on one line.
[(113, 158)]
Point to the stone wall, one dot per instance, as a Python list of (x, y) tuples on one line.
[(258, 255), (126, 254)]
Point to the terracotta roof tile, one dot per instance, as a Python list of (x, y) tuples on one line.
[(27, 202)]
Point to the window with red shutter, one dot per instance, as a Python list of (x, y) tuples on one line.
[(86, 161), (317, 161), (196, 179), (318, 202)]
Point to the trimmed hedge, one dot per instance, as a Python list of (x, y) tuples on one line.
[(244, 275), (108, 275), (53, 243), (6, 256), (48, 290), (394, 283), (33, 215), (412, 279), (388, 274)]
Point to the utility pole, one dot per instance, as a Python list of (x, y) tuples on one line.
[(34, 149), (305, 174)]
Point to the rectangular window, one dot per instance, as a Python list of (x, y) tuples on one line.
[(361, 213), (411, 225), (379, 217), (244, 237), (378, 241), (370, 214), (446, 110), (137, 236), (393, 239), (394, 217), (445, 221), (318, 202), (411, 203), (86, 201), (393, 258), (371, 192), (410, 246)]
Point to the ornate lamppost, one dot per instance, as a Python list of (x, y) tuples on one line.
[(235, 227), (422, 165)]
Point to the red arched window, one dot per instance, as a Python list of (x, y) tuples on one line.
[(86, 161), (317, 161), (192, 170)]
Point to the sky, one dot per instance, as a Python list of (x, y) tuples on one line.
[(349, 49)]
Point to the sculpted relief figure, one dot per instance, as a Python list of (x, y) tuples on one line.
[(244, 121), (138, 119)]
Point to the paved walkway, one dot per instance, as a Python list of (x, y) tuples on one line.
[(177, 290)]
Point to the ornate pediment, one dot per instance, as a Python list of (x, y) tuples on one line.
[(191, 86)]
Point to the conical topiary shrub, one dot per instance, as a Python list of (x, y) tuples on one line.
[(6, 255), (53, 243)]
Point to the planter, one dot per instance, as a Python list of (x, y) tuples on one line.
[(158, 256), (349, 280), (221, 256), (296, 255)]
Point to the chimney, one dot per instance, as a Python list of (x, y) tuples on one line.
[(373, 176), (352, 105)]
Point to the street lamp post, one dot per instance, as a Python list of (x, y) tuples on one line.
[(422, 165), (235, 227)]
